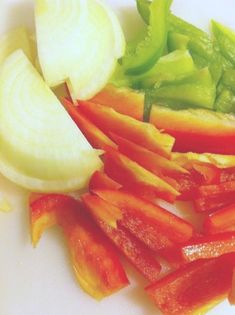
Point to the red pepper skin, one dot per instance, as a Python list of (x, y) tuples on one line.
[(231, 296), (100, 180), (214, 203), (220, 221), (134, 250), (94, 135), (195, 130), (145, 134), (144, 219), (136, 178), (194, 288), (209, 246), (97, 268), (153, 162)]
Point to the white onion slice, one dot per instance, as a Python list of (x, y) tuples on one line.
[(41, 148), (79, 41)]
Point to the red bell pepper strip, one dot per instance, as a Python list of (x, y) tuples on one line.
[(220, 221), (97, 268), (215, 190), (195, 287), (153, 162), (209, 246), (213, 203), (231, 296), (134, 250), (133, 176), (141, 216), (100, 180), (196, 130), (145, 134), (94, 135)]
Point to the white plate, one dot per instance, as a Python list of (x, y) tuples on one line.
[(40, 281)]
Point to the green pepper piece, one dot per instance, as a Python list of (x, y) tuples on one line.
[(228, 79), (203, 50), (152, 47), (225, 38), (148, 104), (170, 67), (225, 102), (143, 9), (198, 90), (177, 41)]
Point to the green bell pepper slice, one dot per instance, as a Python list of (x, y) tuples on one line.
[(225, 38), (177, 41), (170, 67), (228, 79), (198, 90), (149, 50), (225, 101)]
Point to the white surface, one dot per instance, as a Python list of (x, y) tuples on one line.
[(40, 281)]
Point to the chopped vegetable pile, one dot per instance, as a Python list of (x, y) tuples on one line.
[(132, 130)]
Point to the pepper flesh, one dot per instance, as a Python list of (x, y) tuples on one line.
[(174, 228), (93, 134), (221, 220), (134, 250), (149, 50), (100, 180), (195, 287), (196, 130), (108, 120), (86, 244), (134, 177)]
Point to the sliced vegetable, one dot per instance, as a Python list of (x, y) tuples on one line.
[(225, 39), (149, 50), (177, 41), (194, 288), (143, 9), (93, 134), (232, 292), (170, 67), (225, 101), (228, 79), (195, 130), (169, 225), (197, 90), (220, 221), (66, 47), (134, 250), (108, 120), (41, 148), (100, 180), (86, 244), (209, 246), (214, 203), (134, 177), (15, 39), (153, 162)]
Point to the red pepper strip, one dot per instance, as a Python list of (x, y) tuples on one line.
[(231, 296), (93, 134), (220, 221), (134, 250), (145, 134), (133, 176), (211, 174), (173, 256), (209, 246), (214, 203), (227, 174), (195, 287), (97, 268), (100, 180), (153, 162), (195, 130), (213, 190), (139, 213)]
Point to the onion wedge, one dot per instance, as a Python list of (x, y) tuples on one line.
[(41, 148), (79, 42)]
